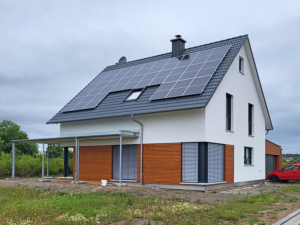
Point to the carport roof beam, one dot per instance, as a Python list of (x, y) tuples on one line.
[(82, 137)]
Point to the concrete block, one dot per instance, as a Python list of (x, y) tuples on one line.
[(13, 178), (44, 180), (119, 184), (78, 182), (81, 182)]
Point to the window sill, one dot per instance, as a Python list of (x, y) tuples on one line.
[(251, 135), (221, 182), (241, 72), (248, 165), (230, 131)]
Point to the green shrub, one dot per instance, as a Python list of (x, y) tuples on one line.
[(56, 165), (26, 165), (5, 164)]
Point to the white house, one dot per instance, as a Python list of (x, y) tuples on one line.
[(197, 116)]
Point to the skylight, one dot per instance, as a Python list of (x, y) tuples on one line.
[(134, 95)]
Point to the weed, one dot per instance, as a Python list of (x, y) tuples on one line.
[(62, 193), (253, 220), (293, 200), (273, 217)]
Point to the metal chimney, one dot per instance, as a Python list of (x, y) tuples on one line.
[(178, 46)]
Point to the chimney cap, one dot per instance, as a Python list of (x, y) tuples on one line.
[(178, 37)]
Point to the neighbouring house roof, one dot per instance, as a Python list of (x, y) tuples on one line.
[(114, 105), (273, 143)]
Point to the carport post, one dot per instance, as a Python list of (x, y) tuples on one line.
[(76, 148), (120, 165), (13, 160), (43, 159), (48, 161)]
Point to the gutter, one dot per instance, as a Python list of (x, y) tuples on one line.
[(141, 157)]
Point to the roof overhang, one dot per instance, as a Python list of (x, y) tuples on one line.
[(83, 137)]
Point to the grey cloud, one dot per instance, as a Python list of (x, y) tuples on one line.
[(50, 50)]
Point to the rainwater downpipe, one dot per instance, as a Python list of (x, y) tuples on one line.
[(141, 157)]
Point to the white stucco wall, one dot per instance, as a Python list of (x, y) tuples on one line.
[(168, 127), (243, 90)]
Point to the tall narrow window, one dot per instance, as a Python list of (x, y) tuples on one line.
[(248, 156), (250, 119), (228, 112), (241, 65)]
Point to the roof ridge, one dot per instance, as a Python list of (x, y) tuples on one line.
[(245, 35)]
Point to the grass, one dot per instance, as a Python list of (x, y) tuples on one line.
[(293, 188), (30, 206)]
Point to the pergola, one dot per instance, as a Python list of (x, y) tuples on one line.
[(120, 134)]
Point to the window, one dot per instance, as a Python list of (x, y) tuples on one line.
[(128, 164), (248, 156), (228, 112), (134, 95), (250, 119), (289, 168), (241, 65), (202, 163)]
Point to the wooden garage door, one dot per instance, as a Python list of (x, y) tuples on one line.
[(271, 161)]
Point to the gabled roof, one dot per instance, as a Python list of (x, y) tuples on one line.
[(114, 106)]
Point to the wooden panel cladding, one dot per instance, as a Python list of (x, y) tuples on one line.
[(273, 149), (95, 163), (229, 164), (161, 163)]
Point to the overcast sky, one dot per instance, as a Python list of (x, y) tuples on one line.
[(49, 50)]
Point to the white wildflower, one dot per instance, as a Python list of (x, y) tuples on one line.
[(25, 222), (72, 218)]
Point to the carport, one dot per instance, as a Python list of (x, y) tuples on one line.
[(119, 134)]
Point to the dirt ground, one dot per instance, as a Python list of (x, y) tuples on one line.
[(142, 191)]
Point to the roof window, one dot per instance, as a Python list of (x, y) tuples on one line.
[(134, 95)]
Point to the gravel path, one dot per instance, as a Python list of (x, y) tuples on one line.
[(142, 191)]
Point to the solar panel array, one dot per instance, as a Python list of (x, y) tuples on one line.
[(177, 76), (191, 74)]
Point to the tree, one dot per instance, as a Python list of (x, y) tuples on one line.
[(11, 131), (55, 151)]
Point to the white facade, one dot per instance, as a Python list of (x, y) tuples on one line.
[(242, 88), (167, 127), (200, 125)]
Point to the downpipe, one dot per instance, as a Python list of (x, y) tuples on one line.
[(141, 157)]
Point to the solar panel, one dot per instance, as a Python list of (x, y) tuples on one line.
[(177, 76), (190, 77)]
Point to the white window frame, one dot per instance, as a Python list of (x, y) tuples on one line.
[(135, 93), (252, 120), (251, 156), (241, 65), (232, 114)]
